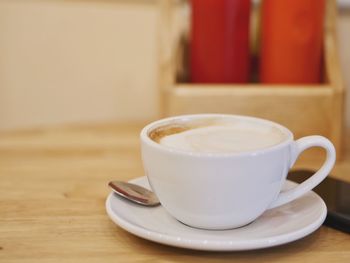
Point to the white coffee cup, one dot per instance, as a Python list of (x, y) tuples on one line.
[(229, 189)]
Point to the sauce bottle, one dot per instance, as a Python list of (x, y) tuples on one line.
[(291, 41), (219, 42)]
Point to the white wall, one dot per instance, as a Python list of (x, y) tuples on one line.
[(77, 61)]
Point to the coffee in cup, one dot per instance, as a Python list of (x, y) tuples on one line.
[(217, 135)]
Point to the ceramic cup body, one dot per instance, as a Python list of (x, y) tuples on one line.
[(228, 190)]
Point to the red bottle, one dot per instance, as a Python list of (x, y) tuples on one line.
[(219, 44), (291, 41)]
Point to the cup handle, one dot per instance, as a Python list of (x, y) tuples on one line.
[(297, 148)]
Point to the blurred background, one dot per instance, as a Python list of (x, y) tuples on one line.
[(94, 61)]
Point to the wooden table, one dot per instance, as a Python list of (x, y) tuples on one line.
[(53, 186)]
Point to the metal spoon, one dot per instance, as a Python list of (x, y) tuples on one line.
[(134, 193)]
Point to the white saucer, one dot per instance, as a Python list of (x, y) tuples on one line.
[(275, 227)]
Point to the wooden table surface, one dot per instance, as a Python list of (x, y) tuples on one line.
[(53, 186)]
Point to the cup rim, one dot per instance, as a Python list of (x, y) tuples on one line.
[(144, 135)]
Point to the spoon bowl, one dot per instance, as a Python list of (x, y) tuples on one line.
[(134, 193)]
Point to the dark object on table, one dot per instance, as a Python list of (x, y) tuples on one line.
[(335, 193)]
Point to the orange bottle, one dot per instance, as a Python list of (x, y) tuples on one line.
[(291, 41)]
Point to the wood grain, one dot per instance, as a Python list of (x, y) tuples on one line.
[(53, 187)]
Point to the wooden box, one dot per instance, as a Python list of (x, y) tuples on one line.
[(304, 109)]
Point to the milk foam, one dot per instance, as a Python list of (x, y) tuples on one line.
[(225, 138)]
